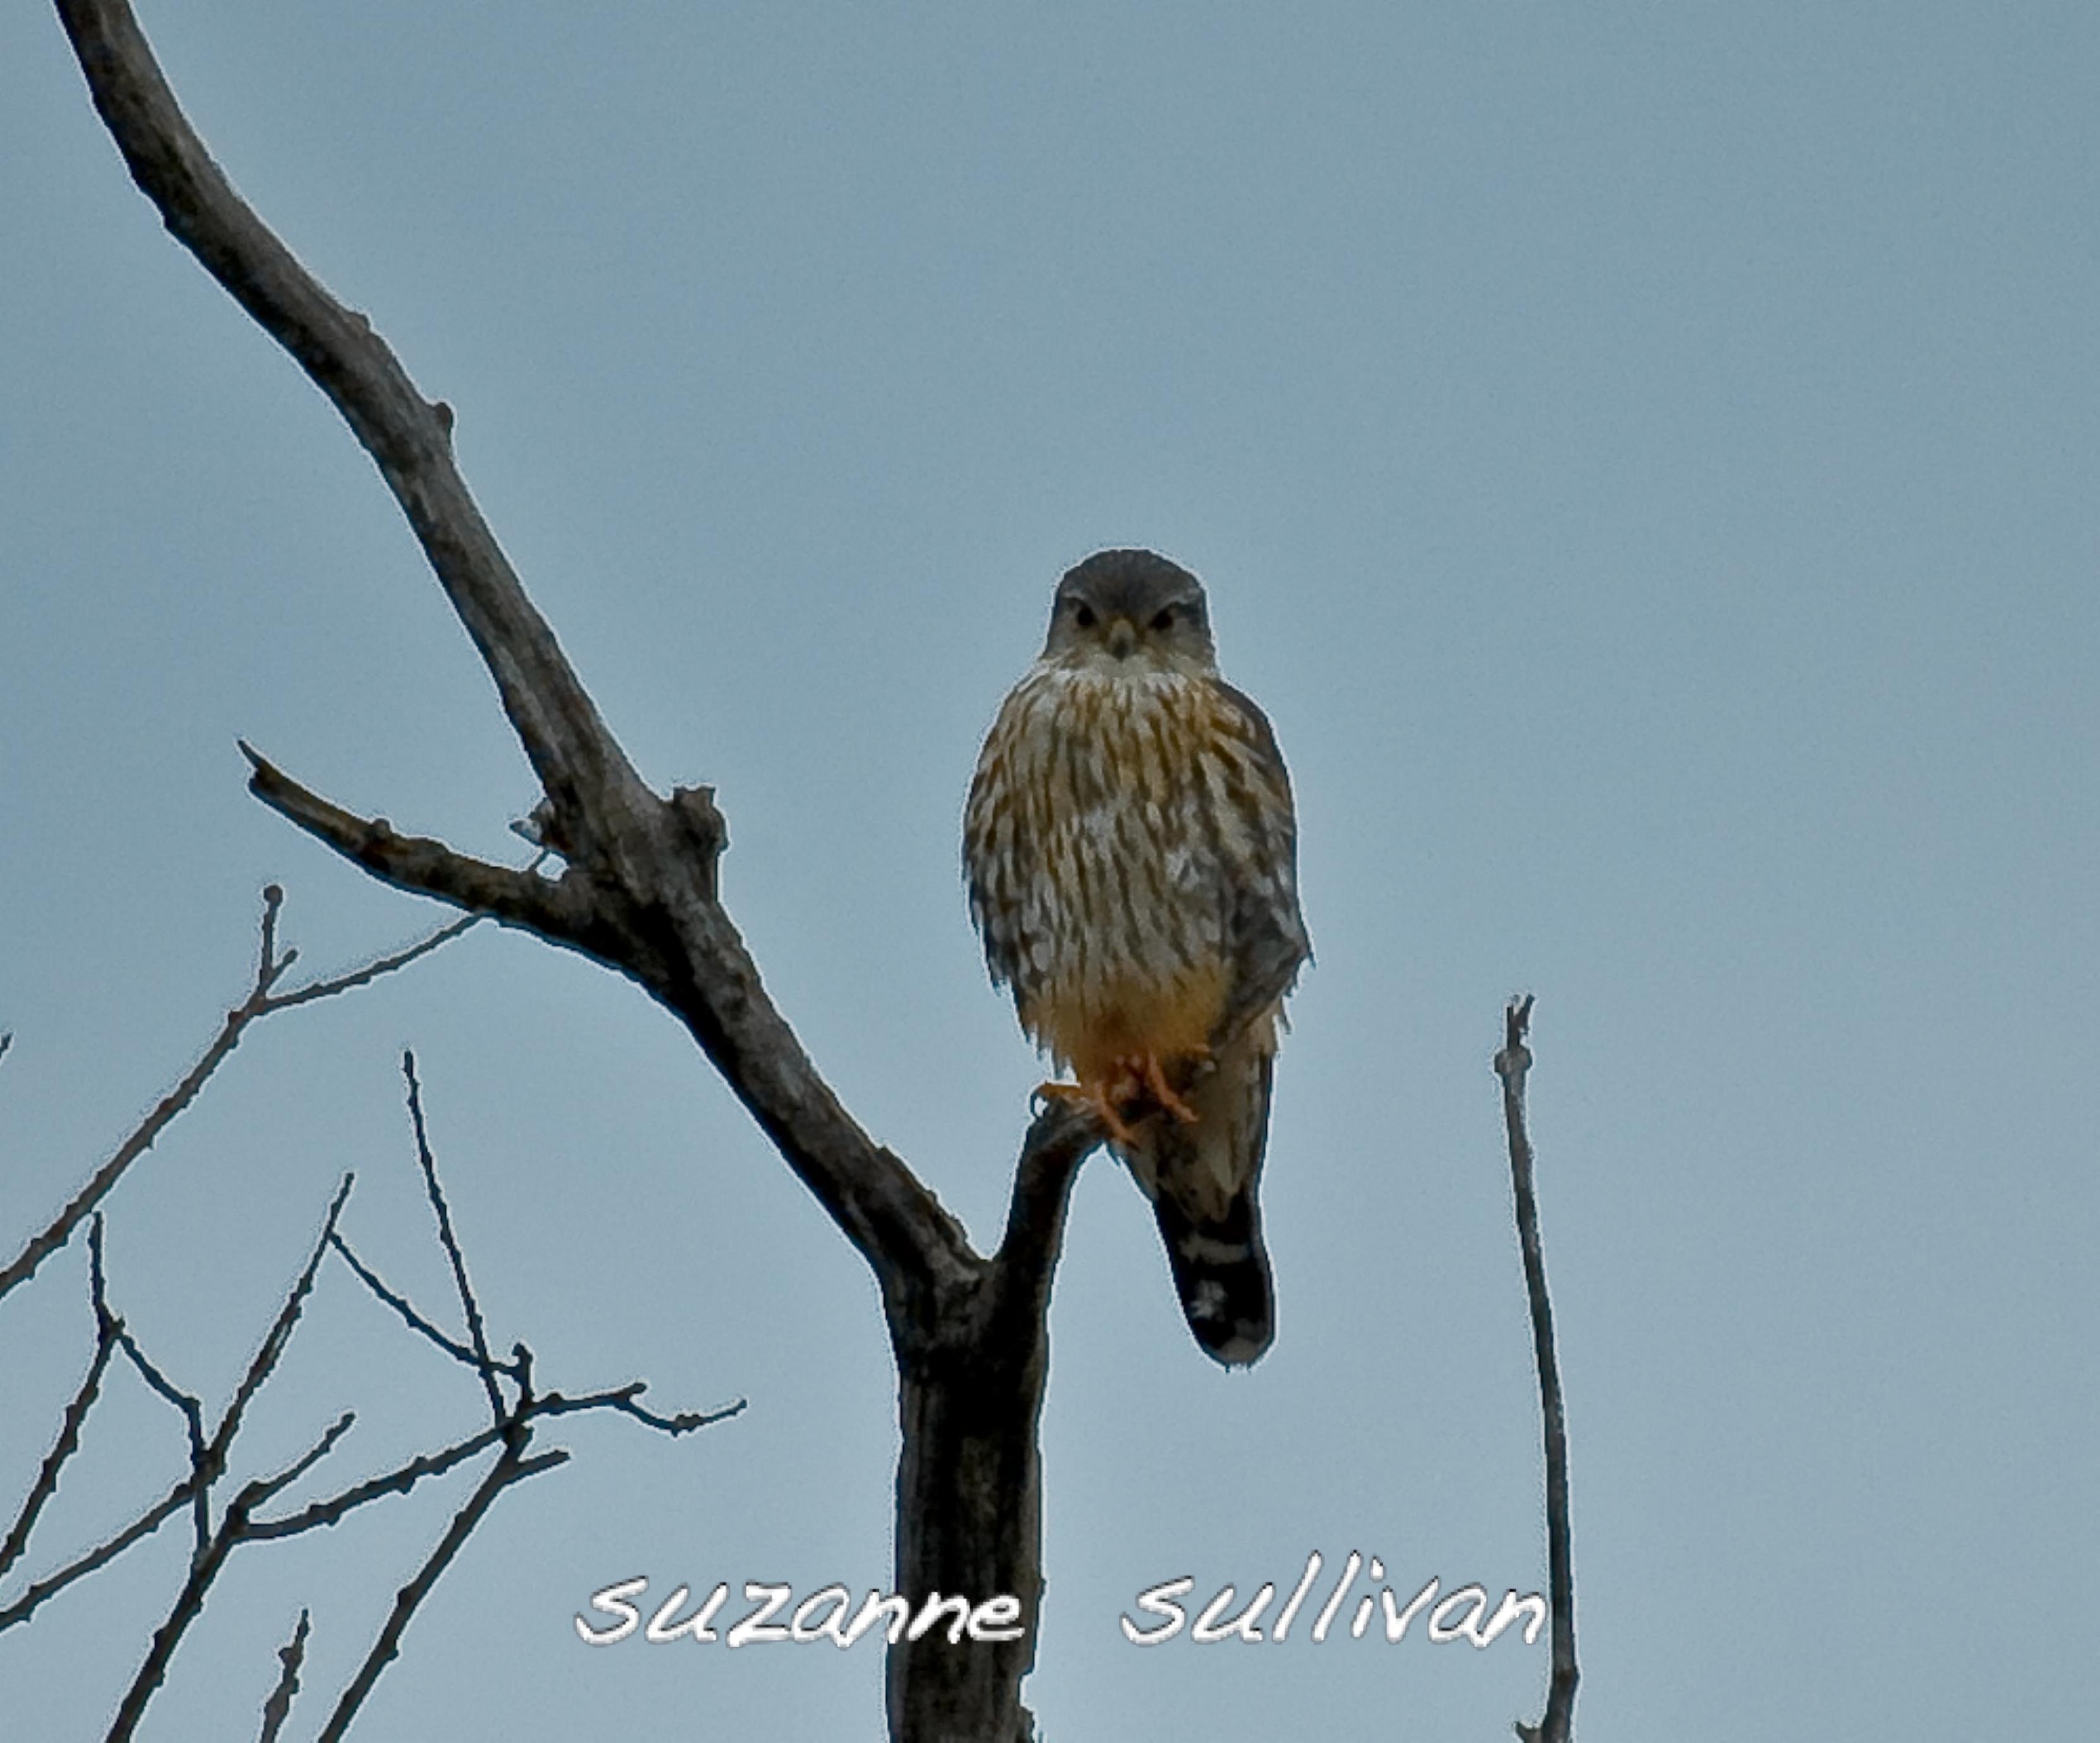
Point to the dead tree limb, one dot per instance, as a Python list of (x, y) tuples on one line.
[(639, 894), (238, 1523), (263, 999), (1511, 1064)]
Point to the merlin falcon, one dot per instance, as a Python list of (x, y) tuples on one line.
[(1132, 861)]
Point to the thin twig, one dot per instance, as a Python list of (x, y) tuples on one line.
[(404, 1477), (191, 1406), (143, 1526), (372, 970), (107, 1328), (278, 1708), (472, 1309), (415, 1320), (263, 999), (1511, 1063), (263, 1488), (269, 967), (397, 1481), (623, 1400), (267, 1357), (50, 1238), (513, 1466)]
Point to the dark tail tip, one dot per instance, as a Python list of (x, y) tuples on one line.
[(1221, 1272)]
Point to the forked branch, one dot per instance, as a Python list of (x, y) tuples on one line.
[(263, 999), (640, 892)]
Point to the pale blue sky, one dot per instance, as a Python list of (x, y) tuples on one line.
[(1643, 460)]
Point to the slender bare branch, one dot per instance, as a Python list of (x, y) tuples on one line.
[(103, 1553), (268, 967), (415, 1320), (272, 1349), (622, 1398), (191, 1406), (1511, 1064), (278, 1708), (107, 1327), (372, 970), (265, 1489), (404, 1477), (513, 1466), (49, 1239), (189, 1604), (483, 1363), (397, 1481), (262, 999)]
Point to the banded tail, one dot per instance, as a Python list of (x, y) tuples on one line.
[(1203, 1178)]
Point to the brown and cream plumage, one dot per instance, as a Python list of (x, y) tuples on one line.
[(1131, 855)]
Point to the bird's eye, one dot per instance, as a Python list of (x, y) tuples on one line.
[(1084, 615), (1165, 620)]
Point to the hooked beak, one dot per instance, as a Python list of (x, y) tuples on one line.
[(1123, 637)]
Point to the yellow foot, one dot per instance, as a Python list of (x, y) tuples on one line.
[(1152, 1079), (1094, 1098)]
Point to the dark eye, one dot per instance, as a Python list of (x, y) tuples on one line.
[(1082, 615), (1165, 620)]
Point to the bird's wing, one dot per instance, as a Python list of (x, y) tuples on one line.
[(1265, 931)]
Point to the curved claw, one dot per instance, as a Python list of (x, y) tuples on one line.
[(1093, 1098), (1152, 1076)]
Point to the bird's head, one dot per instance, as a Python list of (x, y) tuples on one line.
[(1131, 611)]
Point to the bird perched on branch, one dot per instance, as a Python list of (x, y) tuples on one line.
[(1132, 856)]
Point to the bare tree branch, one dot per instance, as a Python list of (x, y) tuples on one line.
[(512, 1428), (1060, 1139), (108, 1329), (261, 1000), (372, 970), (397, 1481), (649, 863), (551, 907), (213, 1465), (513, 1466), (469, 1306), (1511, 1064), (42, 1244), (278, 1708), (143, 1526), (404, 1477), (416, 1322), (189, 1606), (409, 437), (265, 1489)]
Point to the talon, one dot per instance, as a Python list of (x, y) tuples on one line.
[(1094, 1098), (1154, 1078)]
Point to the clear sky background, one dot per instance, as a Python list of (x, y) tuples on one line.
[(1643, 458)]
